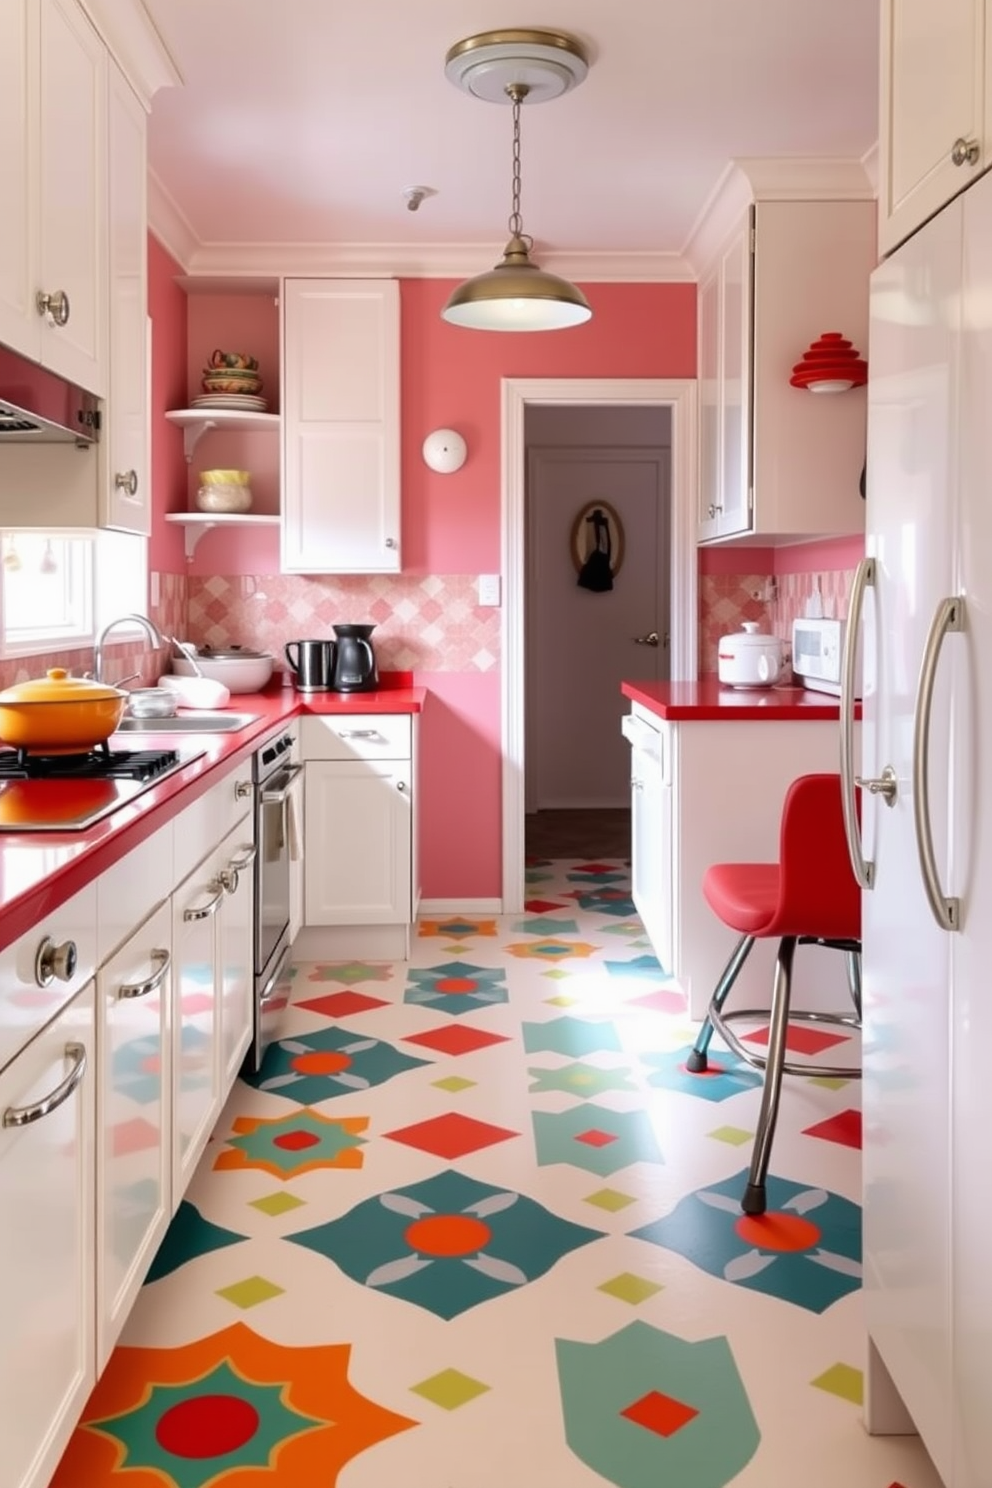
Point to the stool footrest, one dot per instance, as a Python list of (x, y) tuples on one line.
[(721, 1022)]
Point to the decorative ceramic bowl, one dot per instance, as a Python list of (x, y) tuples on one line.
[(236, 359), (218, 497), (232, 382)]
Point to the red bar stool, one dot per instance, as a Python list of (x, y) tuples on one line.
[(809, 897)]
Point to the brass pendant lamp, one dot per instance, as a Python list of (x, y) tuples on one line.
[(517, 295)]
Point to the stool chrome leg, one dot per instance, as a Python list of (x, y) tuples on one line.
[(754, 1201), (854, 979), (697, 1062)]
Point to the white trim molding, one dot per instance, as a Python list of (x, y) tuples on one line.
[(472, 909), (680, 396), (137, 47)]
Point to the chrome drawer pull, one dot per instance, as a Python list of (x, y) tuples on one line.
[(359, 734), (162, 960), (25, 1115), (243, 860), (210, 908)]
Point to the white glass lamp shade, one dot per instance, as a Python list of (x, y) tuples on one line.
[(445, 451)]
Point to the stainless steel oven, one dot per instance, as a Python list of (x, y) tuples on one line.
[(274, 770)]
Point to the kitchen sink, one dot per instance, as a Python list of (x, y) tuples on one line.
[(188, 723)]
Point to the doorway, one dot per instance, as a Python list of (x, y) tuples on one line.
[(678, 399)]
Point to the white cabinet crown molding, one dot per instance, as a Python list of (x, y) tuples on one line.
[(134, 42)]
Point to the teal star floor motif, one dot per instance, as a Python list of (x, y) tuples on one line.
[(583, 1080), (351, 973), (638, 966), (594, 1138), (570, 1036), (456, 987), (188, 1236), (545, 925), (312, 1067)]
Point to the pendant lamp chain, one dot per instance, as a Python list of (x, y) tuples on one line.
[(517, 92)]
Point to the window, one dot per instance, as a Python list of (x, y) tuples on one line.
[(59, 588)]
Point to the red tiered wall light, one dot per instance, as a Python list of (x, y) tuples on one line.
[(831, 365)]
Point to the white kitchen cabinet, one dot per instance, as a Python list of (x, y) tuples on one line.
[(134, 1119), (341, 426), (778, 462), (47, 1261), (935, 125), (53, 98), (651, 847), (196, 1024), (125, 477)]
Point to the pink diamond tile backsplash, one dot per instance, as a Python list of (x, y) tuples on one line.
[(426, 624), (727, 600)]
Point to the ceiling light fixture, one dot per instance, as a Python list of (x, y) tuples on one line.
[(519, 67)]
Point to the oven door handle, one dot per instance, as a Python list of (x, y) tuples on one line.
[(280, 797), (268, 991)]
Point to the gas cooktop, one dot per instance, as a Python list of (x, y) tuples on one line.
[(69, 792)]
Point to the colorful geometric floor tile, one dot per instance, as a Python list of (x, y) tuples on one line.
[(844, 1381), (644, 1408), (665, 1000), (226, 1411), (806, 1249), (725, 1075), (451, 1135), (638, 966), (274, 1204), (801, 1039), (342, 1004), (542, 906), (312, 1067), (610, 1199), (287, 1146), (450, 1389), (583, 1080), (545, 925), (456, 928), (456, 987), (188, 1236), (551, 949), (571, 1036), (250, 1292), (608, 901), (455, 1039), (594, 1138), (597, 873), (350, 972), (448, 1243), (630, 1288), (844, 1128)]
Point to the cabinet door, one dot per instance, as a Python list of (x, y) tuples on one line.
[(735, 382), (358, 833), (651, 844), (196, 1025), (20, 326), (341, 489), (47, 1265), (235, 865), (933, 98), (124, 486), (710, 462), (72, 176), (134, 1114)]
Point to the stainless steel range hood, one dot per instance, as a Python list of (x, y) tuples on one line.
[(37, 407)]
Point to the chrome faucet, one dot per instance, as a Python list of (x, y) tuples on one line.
[(98, 645)]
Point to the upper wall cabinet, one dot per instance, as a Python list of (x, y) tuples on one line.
[(341, 426), (778, 463), (53, 93), (935, 128)]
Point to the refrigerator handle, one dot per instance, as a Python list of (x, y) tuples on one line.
[(864, 871), (948, 616)]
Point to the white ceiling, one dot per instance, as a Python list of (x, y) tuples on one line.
[(302, 121)]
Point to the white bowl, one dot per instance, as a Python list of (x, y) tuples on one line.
[(238, 673)]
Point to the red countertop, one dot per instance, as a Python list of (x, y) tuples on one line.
[(41, 870), (706, 701)]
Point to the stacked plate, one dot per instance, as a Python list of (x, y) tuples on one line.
[(246, 402)]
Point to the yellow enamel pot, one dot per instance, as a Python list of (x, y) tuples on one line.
[(59, 714)]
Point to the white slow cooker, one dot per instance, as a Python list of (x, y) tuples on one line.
[(749, 658)]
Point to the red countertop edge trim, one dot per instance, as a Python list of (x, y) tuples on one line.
[(706, 701), (90, 853)]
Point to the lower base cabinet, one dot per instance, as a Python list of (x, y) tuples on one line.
[(134, 1118), (47, 1264), (196, 1096), (367, 805), (235, 952)]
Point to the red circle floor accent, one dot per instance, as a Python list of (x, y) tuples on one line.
[(456, 984), (447, 1235), (207, 1426), (295, 1141), (321, 1062), (777, 1231)]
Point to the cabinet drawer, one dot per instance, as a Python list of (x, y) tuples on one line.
[(25, 1004), (129, 891), (357, 736), (201, 826)]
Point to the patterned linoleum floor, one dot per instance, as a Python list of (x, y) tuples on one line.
[(474, 1226)]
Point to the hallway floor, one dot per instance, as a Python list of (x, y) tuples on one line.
[(474, 1227)]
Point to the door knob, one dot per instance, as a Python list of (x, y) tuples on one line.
[(651, 639)]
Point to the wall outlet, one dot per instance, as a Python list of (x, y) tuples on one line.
[(489, 589)]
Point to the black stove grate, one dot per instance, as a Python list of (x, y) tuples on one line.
[(99, 764)]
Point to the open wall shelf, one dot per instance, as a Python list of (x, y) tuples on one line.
[(195, 422), (199, 523)]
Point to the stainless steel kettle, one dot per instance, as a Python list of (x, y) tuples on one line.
[(353, 668)]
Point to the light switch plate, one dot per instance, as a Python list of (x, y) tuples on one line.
[(489, 589)]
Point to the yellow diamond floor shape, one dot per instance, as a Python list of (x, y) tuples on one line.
[(276, 1203), (611, 1199), (450, 1389), (843, 1380), (454, 1083), (630, 1288), (250, 1292), (732, 1134)]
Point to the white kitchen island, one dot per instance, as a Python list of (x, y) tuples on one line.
[(710, 769)]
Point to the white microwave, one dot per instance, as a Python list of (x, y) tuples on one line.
[(818, 654)]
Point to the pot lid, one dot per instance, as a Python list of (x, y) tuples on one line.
[(749, 635), (58, 687), (232, 653)]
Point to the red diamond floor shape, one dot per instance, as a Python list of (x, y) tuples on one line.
[(596, 1138), (660, 1413), (451, 1135), (661, 1002), (801, 1039), (844, 1128), (455, 1038), (540, 906), (342, 1004)]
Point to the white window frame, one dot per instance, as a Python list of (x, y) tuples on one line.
[(101, 598)]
